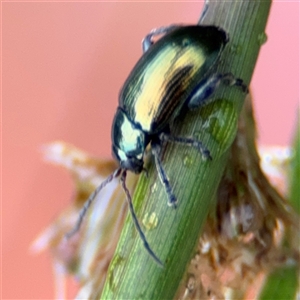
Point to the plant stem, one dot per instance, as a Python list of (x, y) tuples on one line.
[(132, 273)]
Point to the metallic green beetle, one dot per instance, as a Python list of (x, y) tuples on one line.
[(175, 73)]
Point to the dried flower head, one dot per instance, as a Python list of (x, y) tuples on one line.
[(87, 254)]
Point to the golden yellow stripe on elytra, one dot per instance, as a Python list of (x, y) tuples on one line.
[(155, 79)]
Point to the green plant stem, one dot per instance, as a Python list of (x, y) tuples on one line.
[(281, 284), (132, 273)]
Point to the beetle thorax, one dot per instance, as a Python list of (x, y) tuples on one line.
[(128, 142)]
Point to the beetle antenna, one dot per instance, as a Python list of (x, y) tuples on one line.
[(135, 220), (90, 200)]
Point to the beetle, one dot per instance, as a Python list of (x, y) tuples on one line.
[(174, 74)]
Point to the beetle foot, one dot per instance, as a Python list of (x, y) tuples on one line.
[(229, 79), (187, 141), (172, 201), (206, 155), (239, 82), (201, 148)]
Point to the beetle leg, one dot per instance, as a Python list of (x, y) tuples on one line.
[(229, 79), (209, 85), (155, 148), (204, 11), (148, 39), (186, 141)]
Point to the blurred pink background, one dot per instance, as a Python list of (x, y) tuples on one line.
[(63, 65)]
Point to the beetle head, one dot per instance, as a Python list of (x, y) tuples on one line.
[(128, 143)]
